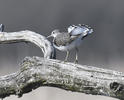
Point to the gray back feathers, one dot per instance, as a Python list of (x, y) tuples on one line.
[(64, 38)]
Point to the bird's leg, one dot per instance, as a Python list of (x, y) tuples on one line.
[(76, 58), (67, 54)]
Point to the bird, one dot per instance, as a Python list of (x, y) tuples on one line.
[(1, 27), (65, 41)]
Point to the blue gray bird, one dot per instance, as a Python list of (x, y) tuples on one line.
[(65, 41)]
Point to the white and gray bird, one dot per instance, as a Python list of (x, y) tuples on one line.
[(65, 41)]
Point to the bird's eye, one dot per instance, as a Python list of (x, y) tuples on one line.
[(53, 32)]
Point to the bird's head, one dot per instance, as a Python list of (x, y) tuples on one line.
[(54, 33)]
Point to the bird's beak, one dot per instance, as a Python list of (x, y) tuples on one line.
[(49, 36)]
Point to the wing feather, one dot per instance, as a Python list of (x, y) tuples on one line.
[(64, 39)]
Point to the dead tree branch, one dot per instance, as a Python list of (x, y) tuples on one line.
[(29, 36), (36, 72)]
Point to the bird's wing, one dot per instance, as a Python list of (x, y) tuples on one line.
[(74, 37), (75, 30), (64, 39)]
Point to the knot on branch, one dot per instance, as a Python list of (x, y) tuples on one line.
[(117, 88)]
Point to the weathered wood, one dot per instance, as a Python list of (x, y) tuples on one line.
[(29, 36), (36, 72)]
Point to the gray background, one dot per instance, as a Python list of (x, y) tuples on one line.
[(104, 48)]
